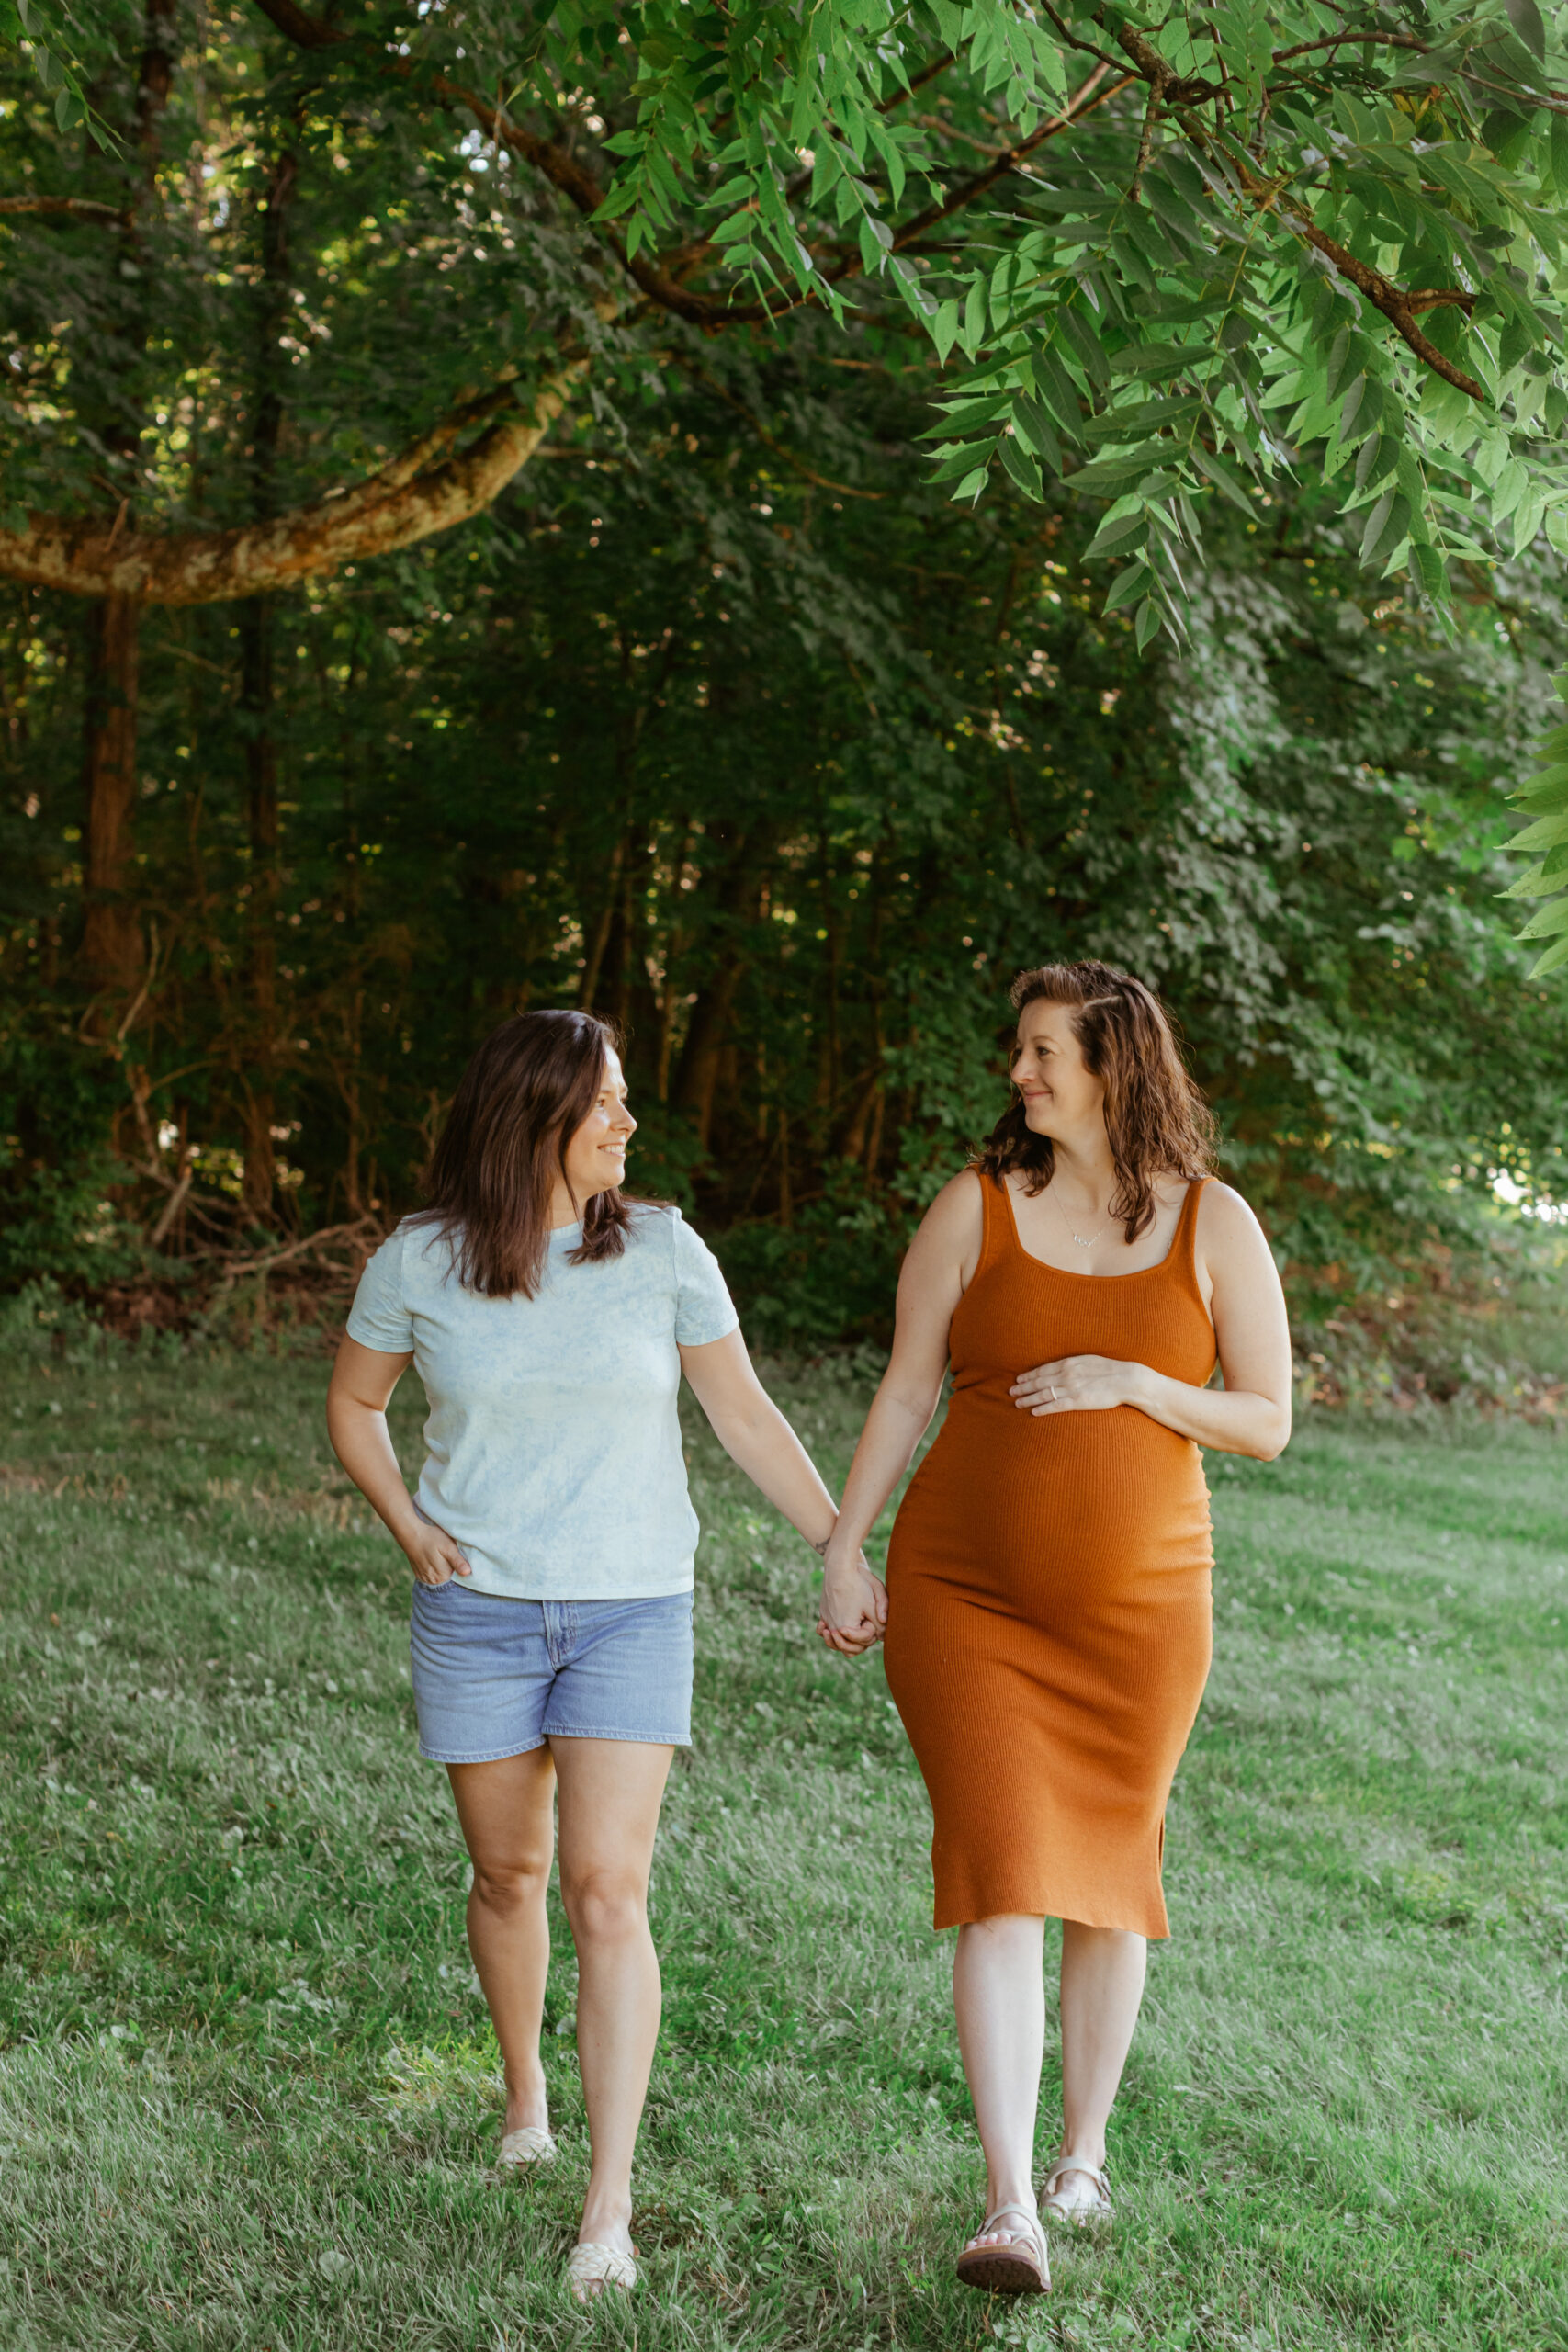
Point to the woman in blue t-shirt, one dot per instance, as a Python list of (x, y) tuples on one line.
[(551, 1540)]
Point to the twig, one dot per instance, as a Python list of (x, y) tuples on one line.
[(1147, 140)]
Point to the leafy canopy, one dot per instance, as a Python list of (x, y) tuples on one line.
[(1171, 251)]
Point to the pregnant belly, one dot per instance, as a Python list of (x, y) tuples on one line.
[(1004, 1502)]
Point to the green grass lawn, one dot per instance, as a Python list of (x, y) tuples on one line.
[(248, 2093)]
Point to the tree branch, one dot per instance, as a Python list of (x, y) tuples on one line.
[(1336, 40), (409, 498), (65, 208), (1082, 102), (1379, 290)]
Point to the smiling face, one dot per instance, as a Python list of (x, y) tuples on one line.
[(596, 1154), (1061, 1098)]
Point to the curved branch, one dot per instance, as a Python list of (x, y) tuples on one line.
[(409, 498), (65, 208)]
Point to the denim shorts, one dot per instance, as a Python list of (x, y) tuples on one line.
[(494, 1676)]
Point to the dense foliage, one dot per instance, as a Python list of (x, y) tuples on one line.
[(714, 714)]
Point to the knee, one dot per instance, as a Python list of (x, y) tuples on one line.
[(510, 1887), (605, 1906)]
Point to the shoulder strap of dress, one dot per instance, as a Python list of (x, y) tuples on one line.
[(993, 1212), (1185, 1250)]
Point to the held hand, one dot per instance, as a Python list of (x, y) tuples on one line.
[(1078, 1385), (854, 1610), (433, 1556)]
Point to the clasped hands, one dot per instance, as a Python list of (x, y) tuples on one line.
[(852, 1612)]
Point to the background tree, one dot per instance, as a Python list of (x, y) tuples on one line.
[(716, 714)]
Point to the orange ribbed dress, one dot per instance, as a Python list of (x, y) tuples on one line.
[(1048, 1624)]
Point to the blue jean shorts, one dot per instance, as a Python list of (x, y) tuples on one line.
[(494, 1676)]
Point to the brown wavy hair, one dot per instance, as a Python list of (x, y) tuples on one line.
[(1156, 1122), (522, 1098)]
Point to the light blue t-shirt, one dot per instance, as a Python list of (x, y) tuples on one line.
[(553, 1442)]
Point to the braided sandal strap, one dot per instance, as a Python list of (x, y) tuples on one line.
[(594, 2266), (520, 2151)]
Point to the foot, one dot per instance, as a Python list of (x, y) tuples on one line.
[(1077, 2190), (591, 2267), (603, 2254), (1006, 2254)]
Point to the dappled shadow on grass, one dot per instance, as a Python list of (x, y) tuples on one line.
[(248, 2093)]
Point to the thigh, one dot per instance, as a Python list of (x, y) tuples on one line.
[(506, 1812), (611, 1790)]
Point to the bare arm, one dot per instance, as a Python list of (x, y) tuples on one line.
[(362, 1385), (759, 1440), (940, 1262), (1252, 1413)]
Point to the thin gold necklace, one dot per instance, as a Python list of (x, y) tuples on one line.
[(1062, 1213)]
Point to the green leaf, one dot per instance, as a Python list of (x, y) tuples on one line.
[(1117, 531), (1548, 962), (1030, 421), (1088, 346), (944, 329), (1545, 833), (1386, 526), (1148, 621), (1106, 475), (975, 317), (1432, 571), (1559, 136), (1130, 581), (1224, 478), (1058, 390), (1526, 20), (1023, 467), (1550, 923), (961, 462)]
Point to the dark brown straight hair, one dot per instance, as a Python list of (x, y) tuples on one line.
[(521, 1100), (1156, 1122)]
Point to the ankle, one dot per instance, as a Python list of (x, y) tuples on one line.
[(606, 2219), (527, 2101)]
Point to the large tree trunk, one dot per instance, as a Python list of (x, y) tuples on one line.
[(111, 940), (257, 624), (111, 944), (707, 1031), (259, 1035)]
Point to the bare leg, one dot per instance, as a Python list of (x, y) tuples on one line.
[(505, 1810), (610, 1794), (999, 1995), (1102, 1988)]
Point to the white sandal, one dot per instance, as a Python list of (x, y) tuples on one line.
[(592, 2268), (1097, 2207), (526, 2150)]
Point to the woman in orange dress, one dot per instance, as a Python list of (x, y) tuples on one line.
[(1048, 1577)]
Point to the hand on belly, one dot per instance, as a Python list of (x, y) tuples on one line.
[(1077, 1385)]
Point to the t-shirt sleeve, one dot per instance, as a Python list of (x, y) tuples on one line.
[(704, 1309), (378, 1318)]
